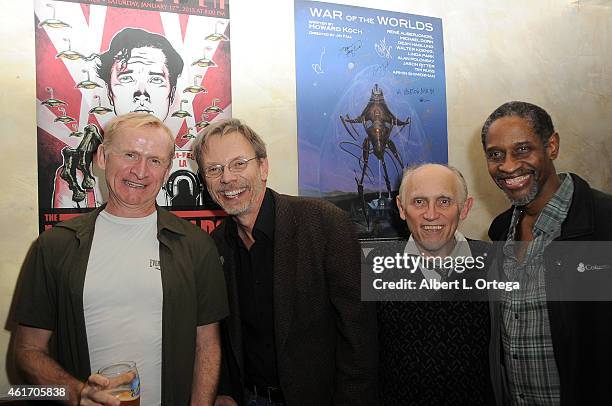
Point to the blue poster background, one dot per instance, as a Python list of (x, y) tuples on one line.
[(344, 56)]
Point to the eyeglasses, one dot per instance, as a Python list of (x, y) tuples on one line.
[(235, 166)]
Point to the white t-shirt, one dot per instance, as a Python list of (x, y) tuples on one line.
[(122, 299)]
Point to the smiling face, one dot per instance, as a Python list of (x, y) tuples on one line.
[(431, 207), (239, 194), (142, 84), (519, 162), (135, 166)]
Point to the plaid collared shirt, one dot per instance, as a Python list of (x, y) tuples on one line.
[(526, 338)]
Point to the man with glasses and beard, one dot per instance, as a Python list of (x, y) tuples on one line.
[(298, 333), (545, 349)]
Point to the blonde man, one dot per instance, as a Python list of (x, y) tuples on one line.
[(126, 281)]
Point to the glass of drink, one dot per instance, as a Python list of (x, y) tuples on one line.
[(124, 382)]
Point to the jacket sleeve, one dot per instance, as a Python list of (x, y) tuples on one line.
[(36, 297), (356, 375)]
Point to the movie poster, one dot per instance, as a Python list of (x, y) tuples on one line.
[(96, 59), (371, 101)]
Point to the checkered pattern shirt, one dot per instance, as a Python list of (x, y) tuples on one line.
[(526, 338)]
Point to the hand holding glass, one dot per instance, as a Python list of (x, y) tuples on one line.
[(124, 382)]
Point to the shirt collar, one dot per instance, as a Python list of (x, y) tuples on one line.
[(264, 223), (167, 220), (265, 217), (555, 211), (84, 224), (461, 246), (461, 249), (553, 214)]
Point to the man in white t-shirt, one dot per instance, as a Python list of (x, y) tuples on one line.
[(128, 281)]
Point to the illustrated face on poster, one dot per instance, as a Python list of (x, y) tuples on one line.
[(142, 84), (140, 70), (95, 62)]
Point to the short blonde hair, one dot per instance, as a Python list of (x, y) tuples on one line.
[(135, 120)]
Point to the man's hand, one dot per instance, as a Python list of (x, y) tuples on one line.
[(224, 400), (93, 392), (33, 360)]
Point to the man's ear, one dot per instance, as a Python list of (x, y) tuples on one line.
[(466, 208), (400, 208), (552, 147), (100, 157), (263, 168)]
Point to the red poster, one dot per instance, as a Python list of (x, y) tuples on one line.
[(98, 59)]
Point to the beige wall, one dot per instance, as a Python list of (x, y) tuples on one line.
[(552, 53)]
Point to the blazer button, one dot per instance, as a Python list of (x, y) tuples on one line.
[(558, 262)]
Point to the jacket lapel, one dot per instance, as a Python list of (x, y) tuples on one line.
[(580, 219), (285, 268), (578, 222)]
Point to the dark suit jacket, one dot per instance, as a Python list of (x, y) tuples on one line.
[(326, 341)]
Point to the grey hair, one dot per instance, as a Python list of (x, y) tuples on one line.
[(222, 128), (536, 116), (463, 189)]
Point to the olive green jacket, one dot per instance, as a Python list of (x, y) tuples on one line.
[(50, 296)]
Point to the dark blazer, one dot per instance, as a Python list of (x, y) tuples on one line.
[(326, 341), (581, 331)]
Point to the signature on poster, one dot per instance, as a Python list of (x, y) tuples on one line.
[(318, 67), (382, 49), (380, 69), (350, 50), (361, 115)]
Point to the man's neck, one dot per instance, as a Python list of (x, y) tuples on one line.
[(245, 226), (122, 210), (549, 189), (444, 251), (246, 222)]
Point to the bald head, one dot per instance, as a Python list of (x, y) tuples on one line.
[(432, 200), (433, 173)]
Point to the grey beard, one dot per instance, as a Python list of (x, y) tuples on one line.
[(533, 192), (257, 189)]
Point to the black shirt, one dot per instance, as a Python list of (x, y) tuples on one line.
[(255, 292)]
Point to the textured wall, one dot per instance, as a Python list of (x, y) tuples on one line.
[(552, 53), (18, 183)]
